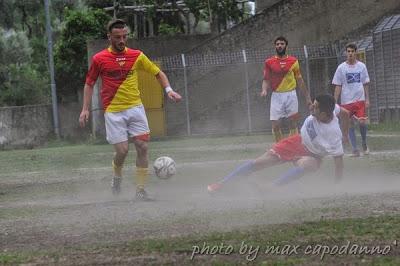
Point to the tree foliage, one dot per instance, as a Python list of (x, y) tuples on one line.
[(20, 81), (71, 50), (24, 71), (220, 13), (23, 67)]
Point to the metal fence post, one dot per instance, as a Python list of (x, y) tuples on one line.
[(392, 67), (308, 71), (246, 74), (51, 70), (186, 96), (375, 88)]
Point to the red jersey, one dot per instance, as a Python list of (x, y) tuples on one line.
[(282, 72), (119, 76)]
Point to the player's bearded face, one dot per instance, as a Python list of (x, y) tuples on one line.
[(280, 47), (118, 39)]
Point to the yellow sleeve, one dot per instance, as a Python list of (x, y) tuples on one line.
[(144, 63), (296, 70)]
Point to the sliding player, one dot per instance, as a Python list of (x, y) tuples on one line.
[(320, 135)]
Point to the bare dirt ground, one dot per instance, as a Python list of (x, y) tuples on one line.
[(50, 210)]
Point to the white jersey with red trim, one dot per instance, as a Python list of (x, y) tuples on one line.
[(323, 138), (352, 78)]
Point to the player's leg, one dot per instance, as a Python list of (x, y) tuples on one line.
[(352, 133), (142, 165), (116, 131), (353, 139), (292, 109), (121, 151), (266, 160), (363, 132), (276, 113), (293, 122), (138, 129), (276, 130), (284, 151), (303, 165), (362, 120)]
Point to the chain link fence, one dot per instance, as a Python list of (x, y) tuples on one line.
[(385, 55), (222, 91)]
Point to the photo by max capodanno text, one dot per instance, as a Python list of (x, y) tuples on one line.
[(251, 252)]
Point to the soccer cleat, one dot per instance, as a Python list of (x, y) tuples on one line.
[(356, 153), (116, 185), (213, 188), (365, 150), (142, 195)]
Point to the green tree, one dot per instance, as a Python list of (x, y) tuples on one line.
[(71, 51), (20, 81), (220, 13), (28, 16)]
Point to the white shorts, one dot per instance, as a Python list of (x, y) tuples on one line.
[(283, 104), (125, 124)]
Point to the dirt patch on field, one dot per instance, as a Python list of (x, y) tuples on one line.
[(74, 210)]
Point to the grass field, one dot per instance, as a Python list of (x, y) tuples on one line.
[(56, 207)]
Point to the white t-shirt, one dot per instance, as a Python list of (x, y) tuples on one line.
[(352, 79), (323, 138)]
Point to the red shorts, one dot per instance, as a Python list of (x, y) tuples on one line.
[(356, 109), (290, 149)]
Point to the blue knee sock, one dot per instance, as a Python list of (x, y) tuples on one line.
[(289, 176), (241, 170), (363, 132), (352, 137)]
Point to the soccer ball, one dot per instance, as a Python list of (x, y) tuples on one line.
[(164, 167)]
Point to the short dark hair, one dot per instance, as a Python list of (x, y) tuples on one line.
[(351, 45), (281, 38), (326, 103), (115, 24)]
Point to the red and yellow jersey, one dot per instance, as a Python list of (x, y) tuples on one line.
[(119, 75), (282, 73)]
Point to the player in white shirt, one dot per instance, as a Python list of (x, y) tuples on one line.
[(320, 136), (351, 84)]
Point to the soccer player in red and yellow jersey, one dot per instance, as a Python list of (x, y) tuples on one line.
[(281, 76), (124, 114)]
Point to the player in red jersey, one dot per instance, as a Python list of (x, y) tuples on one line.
[(124, 114), (281, 76)]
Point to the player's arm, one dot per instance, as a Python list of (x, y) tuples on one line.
[(266, 86), (87, 96), (91, 77), (302, 85), (366, 93), (338, 160), (338, 90), (344, 118), (266, 83), (365, 80), (164, 82), (145, 64), (304, 90)]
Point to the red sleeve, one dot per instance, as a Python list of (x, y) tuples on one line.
[(93, 72), (267, 71)]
